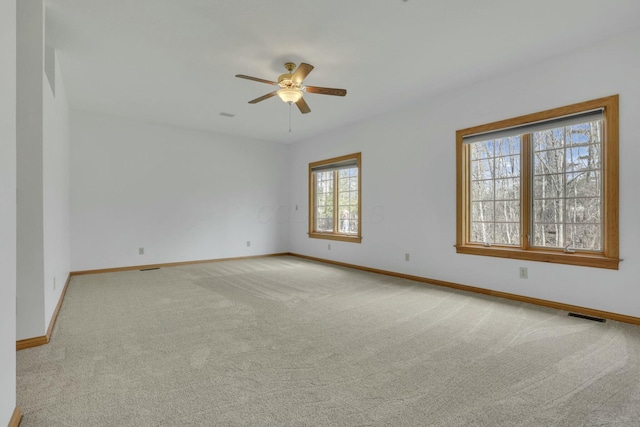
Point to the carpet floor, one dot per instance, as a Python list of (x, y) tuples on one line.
[(283, 341)]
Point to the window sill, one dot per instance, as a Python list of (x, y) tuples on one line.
[(340, 237), (556, 257)]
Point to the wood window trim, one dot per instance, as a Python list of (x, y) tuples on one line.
[(312, 208), (609, 258)]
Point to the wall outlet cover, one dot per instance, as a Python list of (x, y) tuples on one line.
[(524, 273)]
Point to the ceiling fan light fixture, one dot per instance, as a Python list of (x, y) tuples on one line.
[(290, 95)]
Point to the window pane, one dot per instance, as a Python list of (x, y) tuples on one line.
[(547, 210), (482, 169), (583, 210), (507, 234), (344, 183), (495, 191), (344, 197), (482, 190), (482, 211), (507, 146), (548, 186), (482, 150), (507, 210), (548, 162), (348, 221), (353, 184), (567, 186), (348, 202), (585, 237), (585, 133), (482, 232), (583, 158), (548, 235), (584, 184), (507, 189), (548, 139), (324, 224), (508, 166), (323, 219)]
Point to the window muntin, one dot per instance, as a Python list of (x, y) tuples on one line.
[(335, 198), (542, 187)]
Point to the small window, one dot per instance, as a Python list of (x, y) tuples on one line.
[(334, 199), (542, 187)]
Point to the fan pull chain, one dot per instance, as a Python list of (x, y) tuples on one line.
[(290, 104)]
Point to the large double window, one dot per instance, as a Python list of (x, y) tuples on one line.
[(334, 205), (542, 187)]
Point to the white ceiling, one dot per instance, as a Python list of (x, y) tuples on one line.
[(174, 61)]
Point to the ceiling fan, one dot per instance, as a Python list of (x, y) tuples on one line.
[(291, 87)]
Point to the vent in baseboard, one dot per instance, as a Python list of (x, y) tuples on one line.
[(149, 269), (584, 316)]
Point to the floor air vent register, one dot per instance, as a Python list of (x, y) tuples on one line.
[(584, 316)]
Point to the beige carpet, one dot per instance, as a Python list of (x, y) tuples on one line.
[(287, 342)]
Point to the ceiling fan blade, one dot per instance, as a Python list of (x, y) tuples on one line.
[(326, 90), (302, 72), (302, 106), (263, 97), (255, 79)]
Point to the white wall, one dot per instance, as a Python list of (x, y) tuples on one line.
[(7, 210), (43, 250), (181, 194), (56, 204), (30, 251), (408, 179)]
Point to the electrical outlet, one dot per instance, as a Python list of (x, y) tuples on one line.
[(248, 243), (407, 257), (140, 251), (524, 274), (329, 246)]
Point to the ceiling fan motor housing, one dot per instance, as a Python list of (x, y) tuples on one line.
[(285, 80)]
